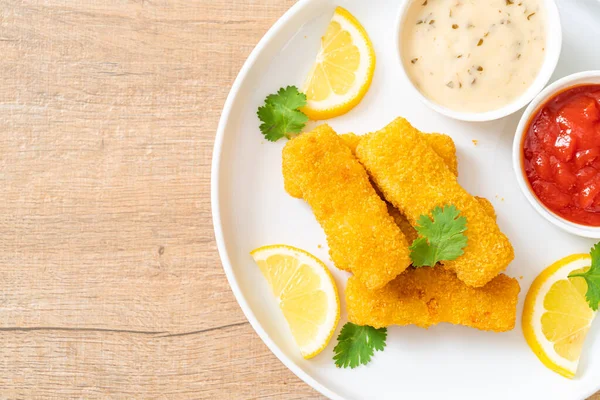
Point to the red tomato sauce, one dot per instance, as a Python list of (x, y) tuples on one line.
[(561, 154)]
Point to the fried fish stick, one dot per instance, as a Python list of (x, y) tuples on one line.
[(415, 180), (442, 144), (427, 296), (352, 140), (411, 233), (362, 236), (407, 229), (487, 206)]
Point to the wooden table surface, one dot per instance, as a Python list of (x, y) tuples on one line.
[(111, 282)]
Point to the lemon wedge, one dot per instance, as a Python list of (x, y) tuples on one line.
[(343, 71), (556, 316), (306, 293)]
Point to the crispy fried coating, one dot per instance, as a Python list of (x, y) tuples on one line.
[(442, 144), (407, 229), (362, 236), (415, 180), (487, 206), (427, 296), (411, 234), (352, 140)]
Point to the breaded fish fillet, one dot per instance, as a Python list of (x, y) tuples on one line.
[(351, 140), (411, 233), (487, 206), (442, 144), (415, 180), (362, 236), (407, 229), (427, 296)]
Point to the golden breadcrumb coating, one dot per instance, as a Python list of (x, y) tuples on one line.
[(407, 229), (487, 206), (351, 140), (415, 180), (427, 296), (442, 144), (362, 236), (411, 234)]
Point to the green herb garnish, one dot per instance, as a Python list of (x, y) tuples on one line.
[(357, 344), (441, 238), (280, 116), (592, 278)]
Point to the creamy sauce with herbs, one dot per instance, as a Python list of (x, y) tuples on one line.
[(473, 55)]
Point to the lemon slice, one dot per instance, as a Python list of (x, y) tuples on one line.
[(306, 292), (556, 316), (343, 70)]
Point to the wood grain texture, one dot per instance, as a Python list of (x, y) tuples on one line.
[(111, 286)]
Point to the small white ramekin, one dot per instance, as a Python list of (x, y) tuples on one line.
[(578, 79), (553, 47)]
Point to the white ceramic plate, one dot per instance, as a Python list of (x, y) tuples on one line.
[(251, 209)]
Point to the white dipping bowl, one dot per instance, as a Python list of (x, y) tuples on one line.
[(553, 47), (578, 79)]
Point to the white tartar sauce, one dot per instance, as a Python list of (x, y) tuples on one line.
[(473, 55)]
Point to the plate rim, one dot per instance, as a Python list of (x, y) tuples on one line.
[(216, 211), (215, 202)]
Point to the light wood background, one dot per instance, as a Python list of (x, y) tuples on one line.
[(111, 286)]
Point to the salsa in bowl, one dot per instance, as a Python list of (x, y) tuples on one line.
[(556, 153)]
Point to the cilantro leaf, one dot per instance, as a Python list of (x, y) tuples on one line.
[(280, 115), (592, 278), (440, 238), (420, 253), (356, 345)]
